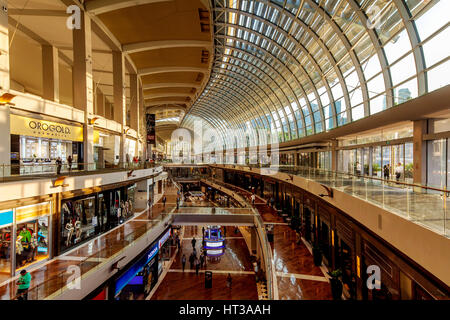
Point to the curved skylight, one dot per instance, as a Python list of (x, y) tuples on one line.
[(301, 67)]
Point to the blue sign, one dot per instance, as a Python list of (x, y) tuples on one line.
[(6, 217), (164, 238), (135, 268)]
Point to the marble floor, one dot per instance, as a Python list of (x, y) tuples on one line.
[(297, 276), (181, 285)]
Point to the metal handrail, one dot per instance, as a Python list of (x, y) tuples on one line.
[(334, 172)]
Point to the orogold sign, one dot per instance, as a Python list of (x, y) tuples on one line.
[(45, 129)]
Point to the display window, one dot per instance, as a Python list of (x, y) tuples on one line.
[(6, 227), (32, 236), (79, 221)]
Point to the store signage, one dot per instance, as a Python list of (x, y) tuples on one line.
[(6, 217), (33, 211), (45, 129), (135, 268), (151, 131), (214, 244), (164, 239)]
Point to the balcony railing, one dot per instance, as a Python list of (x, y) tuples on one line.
[(421, 204), (37, 170)]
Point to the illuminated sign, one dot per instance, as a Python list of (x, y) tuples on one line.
[(214, 244), (164, 239), (33, 211), (45, 129)]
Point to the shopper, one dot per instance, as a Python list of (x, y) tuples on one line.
[(178, 243), (202, 260), (191, 261), (58, 165), (197, 266), (398, 171), (69, 163), (193, 242), (178, 202), (386, 171), (183, 262), (24, 284), (229, 281), (253, 197), (164, 201)]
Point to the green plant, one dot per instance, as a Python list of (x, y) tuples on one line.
[(376, 167)]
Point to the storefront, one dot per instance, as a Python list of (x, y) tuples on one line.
[(37, 143), (24, 236), (138, 280), (86, 216)]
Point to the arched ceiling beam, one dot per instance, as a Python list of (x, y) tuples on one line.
[(164, 102), (155, 70), (163, 108), (102, 6), (168, 95), (298, 45), (287, 53), (274, 71), (165, 44), (160, 85), (280, 89)]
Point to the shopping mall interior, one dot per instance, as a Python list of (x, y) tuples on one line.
[(242, 150)]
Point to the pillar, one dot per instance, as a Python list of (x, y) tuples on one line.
[(83, 94), (119, 98), (334, 155), (419, 151), (50, 73), (135, 106), (107, 110), (100, 102), (5, 144)]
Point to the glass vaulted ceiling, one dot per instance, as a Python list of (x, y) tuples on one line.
[(301, 67)]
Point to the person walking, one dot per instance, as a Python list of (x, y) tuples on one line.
[(183, 262), (193, 241), (164, 201), (202, 260), (386, 171), (229, 281), (197, 266), (69, 162), (178, 243), (191, 261), (24, 284), (58, 165), (253, 197), (178, 202), (398, 171)]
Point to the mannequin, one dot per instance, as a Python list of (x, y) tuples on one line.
[(69, 228), (33, 246), (77, 230)]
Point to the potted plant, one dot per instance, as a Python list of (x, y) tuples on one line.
[(317, 255), (336, 284)]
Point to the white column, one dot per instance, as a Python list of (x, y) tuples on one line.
[(83, 94), (135, 106), (119, 97), (50, 73), (5, 144)]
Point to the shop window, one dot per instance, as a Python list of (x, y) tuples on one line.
[(32, 242), (6, 220), (79, 221)]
